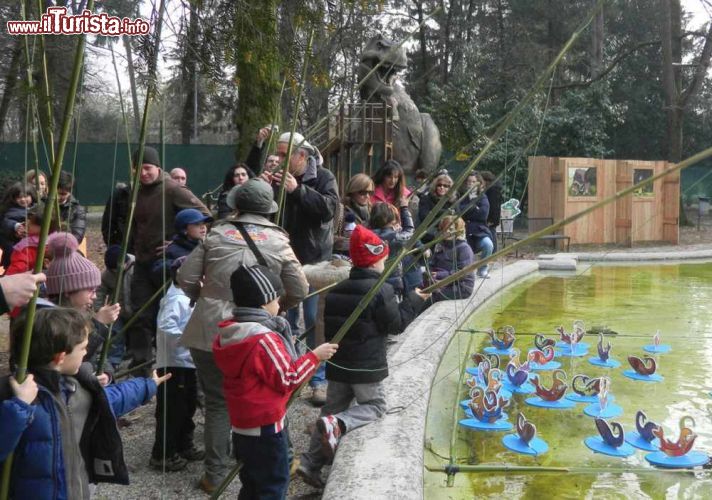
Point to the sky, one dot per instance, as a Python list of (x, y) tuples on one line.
[(105, 76)]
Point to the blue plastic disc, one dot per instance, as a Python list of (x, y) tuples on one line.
[(611, 410), (536, 446), (597, 444), (655, 377), (499, 425), (657, 349), (572, 396), (634, 439), (525, 388), (469, 414), (565, 346), (609, 363), (472, 370), (551, 365), (562, 404), (687, 461), (500, 352), (581, 350)]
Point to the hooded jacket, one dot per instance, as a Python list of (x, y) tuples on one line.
[(260, 368), (205, 274), (449, 257), (75, 217), (33, 433), (150, 224), (363, 348)]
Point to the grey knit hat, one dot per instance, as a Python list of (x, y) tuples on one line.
[(254, 197), (69, 270)]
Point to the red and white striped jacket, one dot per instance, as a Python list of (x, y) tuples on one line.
[(259, 375)]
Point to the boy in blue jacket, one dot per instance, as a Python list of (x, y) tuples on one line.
[(60, 422)]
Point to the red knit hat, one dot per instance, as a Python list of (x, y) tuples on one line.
[(366, 248)]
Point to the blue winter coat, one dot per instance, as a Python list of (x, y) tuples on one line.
[(448, 258), (476, 217), (33, 433)]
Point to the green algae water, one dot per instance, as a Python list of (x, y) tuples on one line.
[(632, 301)]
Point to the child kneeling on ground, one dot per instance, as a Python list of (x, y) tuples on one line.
[(60, 422), (255, 351), (360, 365)]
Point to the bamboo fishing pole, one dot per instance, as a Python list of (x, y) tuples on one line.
[(150, 93), (21, 371), (295, 120), (702, 155), (455, 411), (484, 468), (420, 230)]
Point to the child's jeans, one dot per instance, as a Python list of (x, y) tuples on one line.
[(176, 401), (370, 406), (265, 470)]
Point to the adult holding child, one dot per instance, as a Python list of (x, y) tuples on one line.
[(247, 239)]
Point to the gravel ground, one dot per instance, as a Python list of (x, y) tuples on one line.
[(138, 437)]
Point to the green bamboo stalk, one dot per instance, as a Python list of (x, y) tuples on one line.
[(275, 119), (295, 120), (123, 111), (455, 411), (21, 372), (702, 155), (150, 94), (452, 469), (422, 228)]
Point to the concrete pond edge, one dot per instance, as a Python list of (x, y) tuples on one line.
[(385, 459)]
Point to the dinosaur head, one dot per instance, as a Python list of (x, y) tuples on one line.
[(392, 58)]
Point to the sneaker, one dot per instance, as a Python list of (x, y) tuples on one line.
[(483, 274), (192, 454), (310, 477), (205, 485), (170, 464), (318, 397), (330, 431)]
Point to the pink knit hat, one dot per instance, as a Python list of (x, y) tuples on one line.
[(69, 270)]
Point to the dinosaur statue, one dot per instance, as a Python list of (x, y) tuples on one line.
[(416, 139)]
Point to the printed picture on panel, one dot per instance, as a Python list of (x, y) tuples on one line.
[(582, 181), (639, 175)]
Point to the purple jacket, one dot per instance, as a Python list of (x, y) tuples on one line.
[(449, 257)]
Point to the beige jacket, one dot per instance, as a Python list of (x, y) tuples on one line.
[(205, 275)]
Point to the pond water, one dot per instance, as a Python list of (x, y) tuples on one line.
[(632, 301)]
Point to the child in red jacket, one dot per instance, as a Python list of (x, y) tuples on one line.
[(256, 353)]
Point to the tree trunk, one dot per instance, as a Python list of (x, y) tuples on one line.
[(423, 47), (597, 42), (10, 82), (258, 65), (189, 75)]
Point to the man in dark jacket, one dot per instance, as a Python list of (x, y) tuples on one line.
[(311, 198), (359, 366), (494, 196), (71, 213), (159, 200), (115, 216)]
